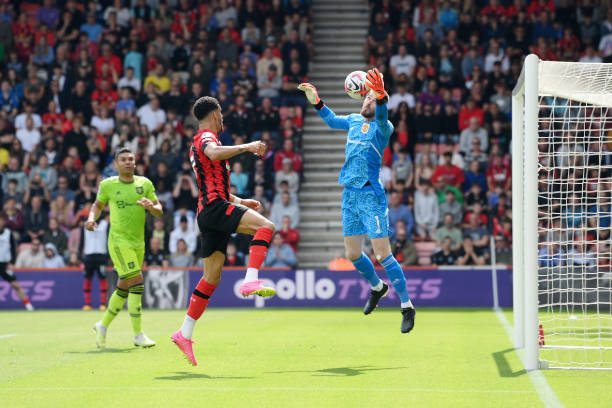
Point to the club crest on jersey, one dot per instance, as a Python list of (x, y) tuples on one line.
[(365, 127), (139, 190), (227, 166)]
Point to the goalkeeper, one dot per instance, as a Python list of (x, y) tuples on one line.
[(364, 204)]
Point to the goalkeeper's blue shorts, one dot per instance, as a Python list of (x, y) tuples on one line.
[(364, 212)]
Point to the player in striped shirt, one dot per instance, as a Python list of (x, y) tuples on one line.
[(219, 215)]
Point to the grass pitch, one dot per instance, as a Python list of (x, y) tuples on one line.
[(277, 358)]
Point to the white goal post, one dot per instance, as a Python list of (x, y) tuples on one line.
[(562, 211)]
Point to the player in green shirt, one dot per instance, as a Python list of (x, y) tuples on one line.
[(128, 197)]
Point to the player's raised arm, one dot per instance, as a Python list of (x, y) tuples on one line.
[(215, 152), (374, 81), (332, 120)]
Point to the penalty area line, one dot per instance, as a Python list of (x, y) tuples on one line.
[(546, 393), (6, 336), (315, 389)]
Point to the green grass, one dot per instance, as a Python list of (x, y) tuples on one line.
[(277, 358)]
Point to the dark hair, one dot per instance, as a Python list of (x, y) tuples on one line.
[(203, 106), (121, 151)]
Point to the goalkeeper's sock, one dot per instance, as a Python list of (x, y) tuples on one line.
[(87, 291), (115, 305), (396, 275), (366, 269), (257, 253), (199, 300), (135, 307)]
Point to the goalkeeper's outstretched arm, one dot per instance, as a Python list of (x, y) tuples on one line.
[(374, 81), (332, 120)]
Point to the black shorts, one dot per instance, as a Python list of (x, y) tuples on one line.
[(6, 274), (217, 222), (95, 263)]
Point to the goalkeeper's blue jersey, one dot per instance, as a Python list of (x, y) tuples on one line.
[(364, 146)]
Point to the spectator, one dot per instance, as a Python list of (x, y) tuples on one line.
[(402, 63), (478, 234), (29, 136), (448, 229), (56, 236), (290, 236), (233, 257), (14, 172), (152, 116), (269, 84), (426, 211), (33, 257), (280, 255), (181, 258), (285, 208), (451, 206), (472, 132), (155, 256), (476, 154), (288, 151), (402, 247), (287, 174), (446, 255), (399, 211), (92, 28), (402, 169), (469, 254), (36, 221), (52, 258), (131, 78), (401, 96), (447, 174), (182, 232)]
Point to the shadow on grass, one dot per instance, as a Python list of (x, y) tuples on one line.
[(105, 350), (503, 367), (185, 375), (340, 371)]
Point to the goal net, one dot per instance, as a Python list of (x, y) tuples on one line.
[(562, 210)]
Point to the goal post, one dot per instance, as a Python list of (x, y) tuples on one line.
[(562, 208)]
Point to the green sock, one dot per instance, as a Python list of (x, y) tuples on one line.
[(115, 304), (135, 307)]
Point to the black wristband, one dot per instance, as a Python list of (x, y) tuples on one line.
[(382, 101), (319, 105)]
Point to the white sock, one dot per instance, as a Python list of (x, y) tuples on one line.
[(188, 326), (251, 275), (407, 304), (378, 287), (103, 329)]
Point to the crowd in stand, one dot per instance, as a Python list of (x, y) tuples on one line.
[(79, 80), (450, 67)]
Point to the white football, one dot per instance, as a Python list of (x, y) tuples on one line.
[(355, 86)]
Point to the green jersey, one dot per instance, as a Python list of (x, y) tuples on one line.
[(127, 219)]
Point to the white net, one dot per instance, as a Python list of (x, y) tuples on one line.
[(574, 218)]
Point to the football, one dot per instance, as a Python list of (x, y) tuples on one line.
[(354, 85)]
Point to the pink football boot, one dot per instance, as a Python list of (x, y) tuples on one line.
[(185, 345)]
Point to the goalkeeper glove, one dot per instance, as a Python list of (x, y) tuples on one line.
[(311, 92), (374, 81)]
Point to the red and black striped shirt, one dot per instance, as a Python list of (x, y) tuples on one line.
[(212, 175)]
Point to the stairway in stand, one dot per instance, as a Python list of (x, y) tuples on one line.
[(340, 30)]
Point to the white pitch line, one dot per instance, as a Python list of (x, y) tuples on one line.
[(5, 336), (109, 388), (546, 393)]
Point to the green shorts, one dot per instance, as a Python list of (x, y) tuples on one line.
[(127, 261)]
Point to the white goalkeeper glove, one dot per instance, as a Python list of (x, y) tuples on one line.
[(311, 92)]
